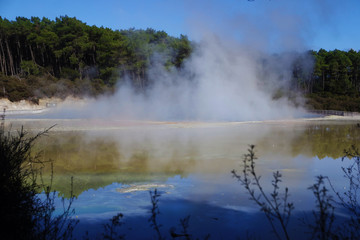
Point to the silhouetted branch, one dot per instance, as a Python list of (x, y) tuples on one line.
[(350, 198), (154, 212), (110, 229), (274, 206), (324, 213)]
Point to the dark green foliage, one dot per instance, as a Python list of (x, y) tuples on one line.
[(14, 88), (328, 79), (335, 82), (47, 50), (18, 188), (330, 101), (68, 48), (184, 50), (29, 68), (23, 214)]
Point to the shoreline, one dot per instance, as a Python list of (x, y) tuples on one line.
[(24, 110), (95, 125)]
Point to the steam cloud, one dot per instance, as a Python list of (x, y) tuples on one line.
[(225, 79)]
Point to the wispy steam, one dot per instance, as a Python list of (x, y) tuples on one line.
[(225, 79)]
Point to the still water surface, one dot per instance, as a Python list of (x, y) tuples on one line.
[(116, 163)]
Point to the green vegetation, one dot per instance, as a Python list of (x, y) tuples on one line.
[(24, 215), (335, 81), (328, 79), (45, 58), (41, 57), (18, 188)]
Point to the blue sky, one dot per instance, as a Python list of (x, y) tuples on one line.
[(314, 24)]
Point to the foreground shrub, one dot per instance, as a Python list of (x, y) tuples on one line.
[(24, 215)]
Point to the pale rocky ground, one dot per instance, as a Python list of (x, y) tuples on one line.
[(28, 107), (22, 105), (45, 104)]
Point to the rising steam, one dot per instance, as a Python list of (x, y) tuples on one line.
[(218, 83), (225, 79)]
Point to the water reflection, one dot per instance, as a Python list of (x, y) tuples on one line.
[(140, 153), (192, 162)]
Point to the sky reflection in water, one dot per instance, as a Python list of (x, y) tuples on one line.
[(194, 161)]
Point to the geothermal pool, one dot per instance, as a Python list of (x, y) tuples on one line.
[(116, 163)]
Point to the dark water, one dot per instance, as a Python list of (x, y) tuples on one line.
[(116, 164)]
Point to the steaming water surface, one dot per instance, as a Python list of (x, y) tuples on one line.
[(116, 163)]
